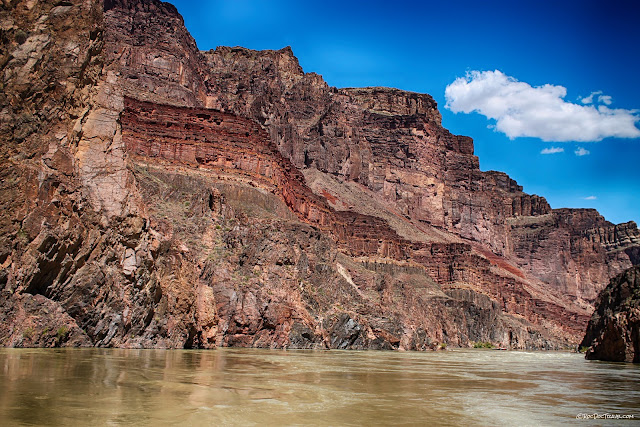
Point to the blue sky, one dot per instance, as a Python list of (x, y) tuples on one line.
[(582, 46)]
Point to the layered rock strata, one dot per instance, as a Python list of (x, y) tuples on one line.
[(230, 144), (221, 143), (392, 142)]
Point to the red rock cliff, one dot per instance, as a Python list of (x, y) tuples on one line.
[(392, 142), (223, 143)]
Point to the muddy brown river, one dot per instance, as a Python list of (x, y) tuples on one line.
[(247, 387)]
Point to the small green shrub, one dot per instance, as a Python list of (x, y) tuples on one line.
[(481, 344), (22, 236), (62, 333), (28, 333)]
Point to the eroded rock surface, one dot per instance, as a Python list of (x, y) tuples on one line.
[(153, 195), (392, 142), (613, 333)]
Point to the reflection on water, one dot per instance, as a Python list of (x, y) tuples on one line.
[(264, 387)]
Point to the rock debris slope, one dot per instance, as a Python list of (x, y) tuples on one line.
[(154, 195)]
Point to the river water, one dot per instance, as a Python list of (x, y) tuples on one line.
[(274, 387)]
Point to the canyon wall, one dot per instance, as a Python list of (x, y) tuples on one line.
[(157, 196), (221, 143), (393, 142)]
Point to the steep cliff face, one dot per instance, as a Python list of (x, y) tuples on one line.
[(238, 149), (587, 249), (158, 196), (73, 226), (50, 65), (613, 333), (392, 142)]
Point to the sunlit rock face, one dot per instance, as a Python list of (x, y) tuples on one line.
[(154, 195), (392, 143)]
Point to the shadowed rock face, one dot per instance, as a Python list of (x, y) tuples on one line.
[(613, 333), (157, 196)]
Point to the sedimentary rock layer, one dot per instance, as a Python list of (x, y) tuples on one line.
[(226, 144), (393, 143)]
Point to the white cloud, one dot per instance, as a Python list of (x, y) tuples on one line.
[(589, 99), (540, 112), (605, 99), (552, 150), (582, 152), (590, 198), (602, 99)]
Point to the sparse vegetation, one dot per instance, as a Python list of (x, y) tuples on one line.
[(22, 236), (583, 349), (28, 333), (443, 346), (481, 344), (62, 333)]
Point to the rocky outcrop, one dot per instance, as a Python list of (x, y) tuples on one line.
[(587, 249), (613, 333), (157, 196), (36, 321), (152, 53)]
